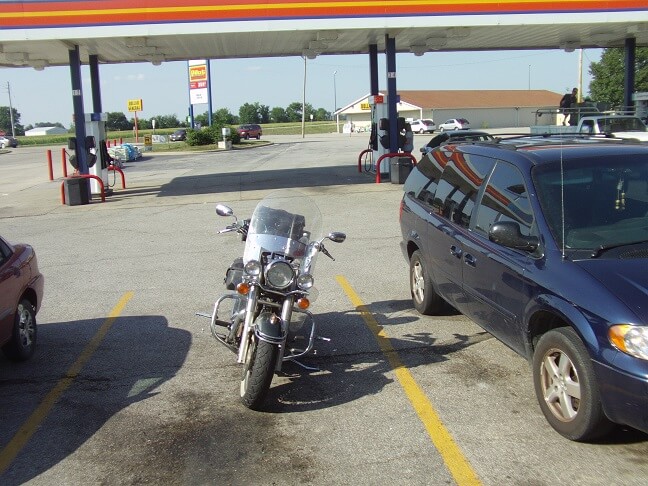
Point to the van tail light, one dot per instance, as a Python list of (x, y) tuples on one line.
[(400, 210)]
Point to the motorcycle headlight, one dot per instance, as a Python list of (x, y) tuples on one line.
[(253, 268), (305, 281), (279, 275), (632, 340)]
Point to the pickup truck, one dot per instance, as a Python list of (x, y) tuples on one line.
[(618, 126)]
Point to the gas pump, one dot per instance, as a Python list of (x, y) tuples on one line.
[(95, 125), (379, 131)]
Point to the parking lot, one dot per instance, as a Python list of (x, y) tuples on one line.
[(128, 387)]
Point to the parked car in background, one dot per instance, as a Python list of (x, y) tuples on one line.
[(21, 294), (7, 141), (423, 126), (178, 135), (455, 124), (617, 126), (456, 136), (250, 131), (543, 242)]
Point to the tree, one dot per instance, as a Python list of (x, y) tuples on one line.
[(254, 113), (202, 119), (116, 121), (168, 121), (221, 118), (247, 113), (294, 111), (608, 75), (321, 114), (278, 115), (263, 112), (224, 117), (144, 124), (5, 121)]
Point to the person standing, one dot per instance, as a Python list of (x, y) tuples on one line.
[(567, 104)]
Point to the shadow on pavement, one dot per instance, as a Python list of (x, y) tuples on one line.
[(137, 356), (352, 375), (264, 179)]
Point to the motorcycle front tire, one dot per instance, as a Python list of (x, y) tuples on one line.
[(258, 372)]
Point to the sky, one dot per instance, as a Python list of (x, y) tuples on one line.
[(45, 96)]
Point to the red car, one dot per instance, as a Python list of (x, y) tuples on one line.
[(21, 293), (250, 131)]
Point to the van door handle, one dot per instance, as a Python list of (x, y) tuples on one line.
[(454, 251), (470, 260)]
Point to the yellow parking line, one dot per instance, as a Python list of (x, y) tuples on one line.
[(450, 452), (9, 453)]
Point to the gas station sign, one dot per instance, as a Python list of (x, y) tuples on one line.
[(135, 105), (198, 80)]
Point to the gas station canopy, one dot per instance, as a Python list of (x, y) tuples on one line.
[(40, 34)]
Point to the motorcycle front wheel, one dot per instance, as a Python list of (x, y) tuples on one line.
[(258, 372)]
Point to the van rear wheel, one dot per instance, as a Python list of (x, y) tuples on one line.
[(426, 300)]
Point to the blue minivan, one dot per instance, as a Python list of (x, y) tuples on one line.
[(543, 242)]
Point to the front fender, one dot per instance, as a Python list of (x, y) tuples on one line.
[(564, 310), (267, 327)]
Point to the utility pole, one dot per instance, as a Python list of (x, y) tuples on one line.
[(11, 117), (304, 102), (337, 117), (580, 76)]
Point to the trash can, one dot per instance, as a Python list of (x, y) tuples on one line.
[(76, 191), (400, 169)]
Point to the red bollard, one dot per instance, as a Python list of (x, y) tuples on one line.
[(121, 141), (49, 165), (64, 162), (108, 144)]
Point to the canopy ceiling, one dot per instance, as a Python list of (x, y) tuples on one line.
[(40, 34)]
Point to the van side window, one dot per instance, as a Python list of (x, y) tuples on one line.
[(457, 191), (422, 182), (505, 199)]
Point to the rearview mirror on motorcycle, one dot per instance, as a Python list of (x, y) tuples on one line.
[(336, 237), (223, 210)]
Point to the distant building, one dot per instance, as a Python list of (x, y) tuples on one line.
[(482, 108), (34, 132)]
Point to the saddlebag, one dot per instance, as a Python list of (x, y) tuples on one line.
[(234, 275)]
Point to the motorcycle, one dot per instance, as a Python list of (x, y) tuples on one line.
[(271, 289)]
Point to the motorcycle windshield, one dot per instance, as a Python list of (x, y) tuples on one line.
[(284, 222)]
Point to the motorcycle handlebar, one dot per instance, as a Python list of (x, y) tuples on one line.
[(238, 227)]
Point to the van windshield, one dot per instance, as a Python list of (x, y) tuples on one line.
[(595, 203)]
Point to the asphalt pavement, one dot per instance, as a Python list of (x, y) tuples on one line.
[(128, 387)]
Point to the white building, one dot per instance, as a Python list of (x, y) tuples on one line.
[(34, 132), (482, 108)]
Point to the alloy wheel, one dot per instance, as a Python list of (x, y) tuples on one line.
[(560, 385), (418, 282)]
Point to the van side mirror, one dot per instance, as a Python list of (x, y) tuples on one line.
[(507, 233)]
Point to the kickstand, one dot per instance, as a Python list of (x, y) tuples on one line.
[(309, 368)]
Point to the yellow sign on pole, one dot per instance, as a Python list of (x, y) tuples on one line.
[(135, 105)]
